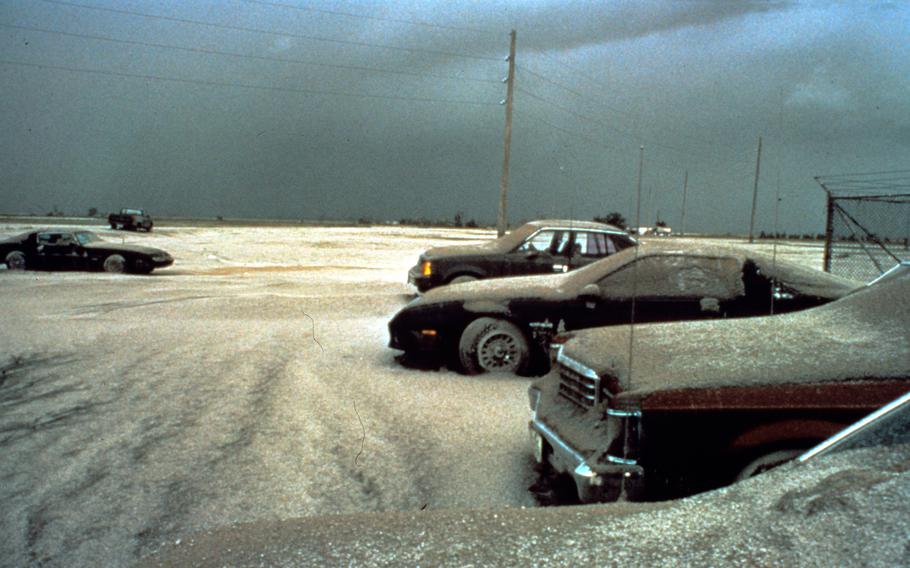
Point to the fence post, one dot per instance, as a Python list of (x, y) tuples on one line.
[(829, 232)]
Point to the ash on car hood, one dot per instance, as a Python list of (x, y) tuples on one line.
[(501, 245), (864, 335), (109, 246), (549, 287)]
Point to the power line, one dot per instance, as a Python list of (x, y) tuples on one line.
[(604, 124), (245, 86), (548, 80), (245, 56), (269, 32), (631, 115), (368, 17), (564, 130)]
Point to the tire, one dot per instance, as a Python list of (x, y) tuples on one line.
[(493, 346), (765, 462), (15, 260), (115, 264), (462, 278), (114, 226)]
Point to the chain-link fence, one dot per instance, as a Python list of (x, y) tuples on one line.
[(868, 226)]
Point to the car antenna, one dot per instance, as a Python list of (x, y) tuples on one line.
[(641, 162), (777, 205)]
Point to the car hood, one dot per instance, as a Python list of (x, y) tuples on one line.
[(862, 336), (795, 515), (545, 287), (116, 247)]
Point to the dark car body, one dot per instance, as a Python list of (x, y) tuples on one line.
[(696, 405), (65, 249), (668, 281), (131, 220), (538, 247)]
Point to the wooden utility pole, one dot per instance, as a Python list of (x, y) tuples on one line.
[(755, 193), (502, 222), (682, 230)]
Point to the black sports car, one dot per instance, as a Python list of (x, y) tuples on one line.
[(538, 247), (507, 324), (61, 249)]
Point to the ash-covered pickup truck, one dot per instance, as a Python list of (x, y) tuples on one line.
[(131, 220), (697, 405)]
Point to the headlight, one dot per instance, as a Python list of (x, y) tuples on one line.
[(427, 268)]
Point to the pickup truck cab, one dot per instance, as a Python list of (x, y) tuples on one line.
[(697, 405), (131, 220)]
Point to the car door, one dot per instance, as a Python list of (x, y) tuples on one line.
[(544, 252), (54, 250), (667, 288)]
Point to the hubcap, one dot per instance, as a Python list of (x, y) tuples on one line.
[(15, 262), (498, 352)]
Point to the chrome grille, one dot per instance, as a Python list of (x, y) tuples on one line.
[(577, 383)]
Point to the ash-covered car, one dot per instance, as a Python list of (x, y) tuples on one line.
[(62, 249), (507, 324), (538, 247), (693, 406)]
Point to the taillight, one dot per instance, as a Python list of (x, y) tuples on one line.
[(427, 269)]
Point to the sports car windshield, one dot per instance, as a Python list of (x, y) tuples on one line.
[(85, 237)]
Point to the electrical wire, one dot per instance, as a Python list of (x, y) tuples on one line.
[(243, 55), (244, 86), (268, 32), (368, 17)]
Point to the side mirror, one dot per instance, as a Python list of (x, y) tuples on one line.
[(532, 254), (589, 292)]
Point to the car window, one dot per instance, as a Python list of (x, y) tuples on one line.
[(541, 241), (594, 245), (54, 239), (86, 237), (676, 276), (132, 211)]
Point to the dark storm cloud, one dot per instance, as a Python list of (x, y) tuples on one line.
[(321, 113)]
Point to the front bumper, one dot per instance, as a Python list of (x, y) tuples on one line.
[(421, 282), (594, 481)]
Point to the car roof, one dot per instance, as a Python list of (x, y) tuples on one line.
[(574, 224)]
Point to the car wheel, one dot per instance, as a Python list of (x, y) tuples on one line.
[(462, 278), (15, 260), (494, 346), (115, 264), (763, 463)]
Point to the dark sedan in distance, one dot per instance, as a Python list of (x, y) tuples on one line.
[(538, 247), (507, 324), (61, 249)]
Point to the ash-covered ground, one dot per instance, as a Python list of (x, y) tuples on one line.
[(250, 382)]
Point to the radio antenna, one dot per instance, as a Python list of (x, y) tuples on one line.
[(641, 162)]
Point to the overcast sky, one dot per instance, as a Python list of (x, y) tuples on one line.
[(386, 110)]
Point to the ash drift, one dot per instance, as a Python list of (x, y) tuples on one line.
[(705, 403)]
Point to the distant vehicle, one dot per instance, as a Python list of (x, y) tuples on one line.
[(507, 325), (55, 249), (131, 220), (707, 403), (538, 247)]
